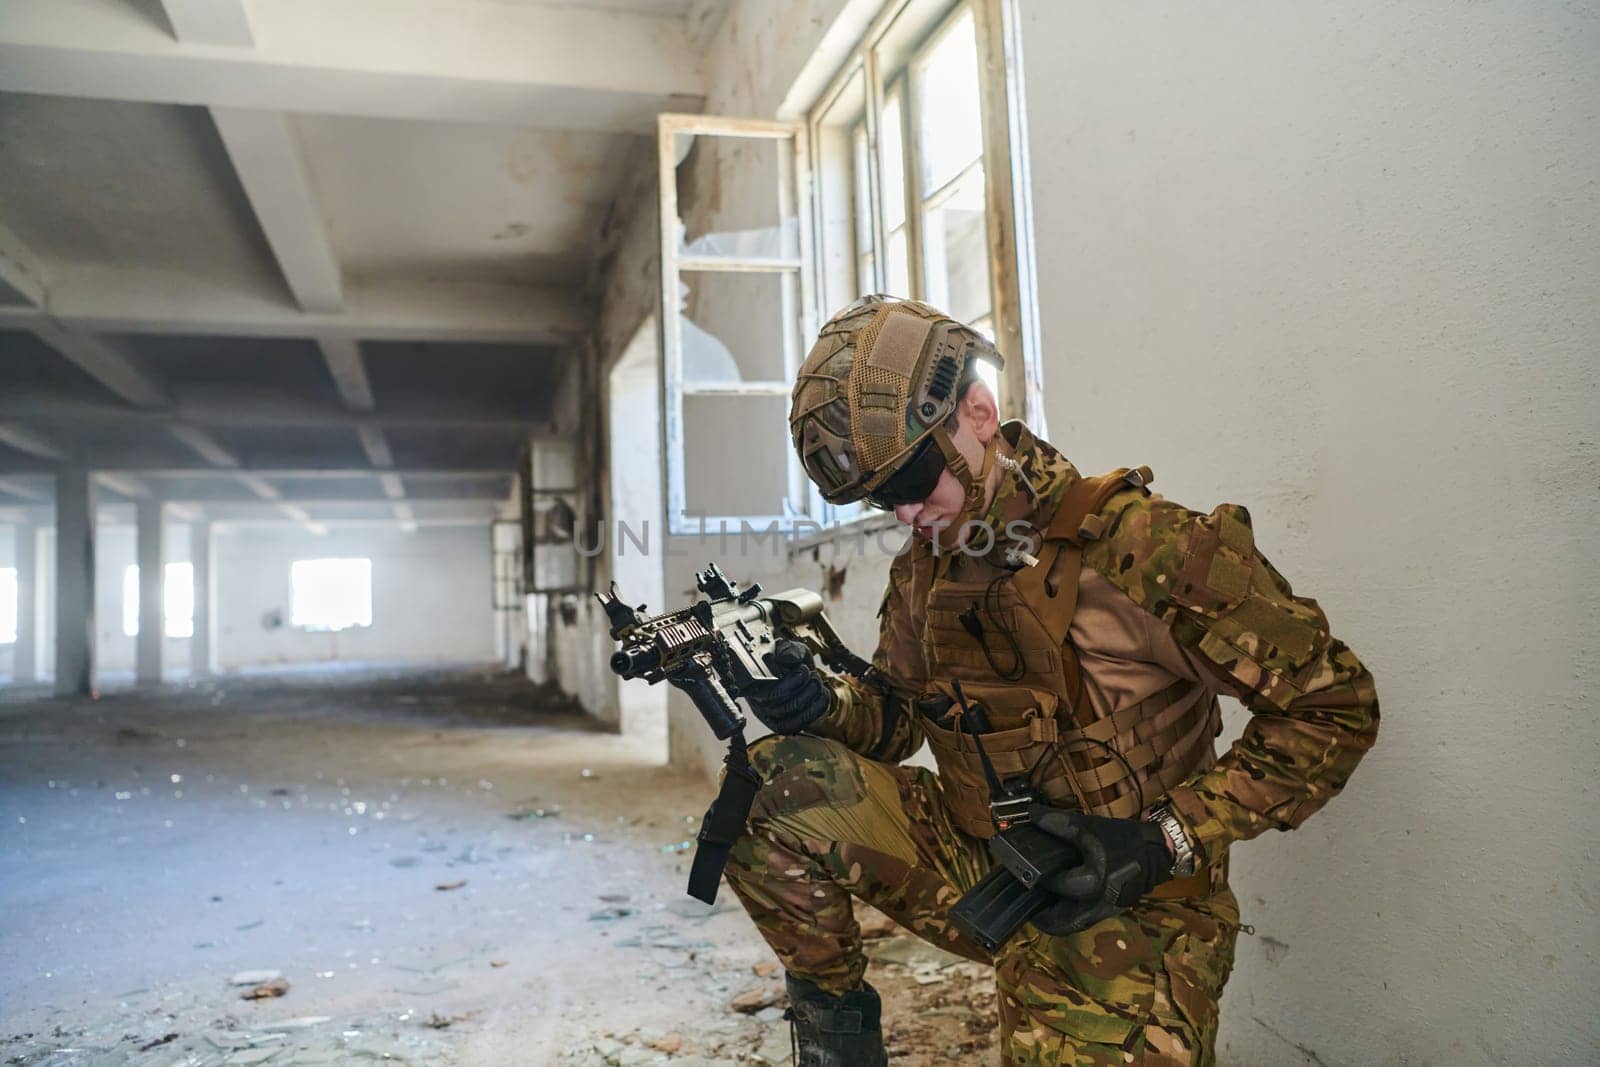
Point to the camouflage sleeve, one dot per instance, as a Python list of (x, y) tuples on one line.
[(1314, 706), (875, 723)]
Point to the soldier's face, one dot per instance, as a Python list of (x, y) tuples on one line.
[(938, 510), (975, 424)]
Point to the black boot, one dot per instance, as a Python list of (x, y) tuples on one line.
[(835, 1031)]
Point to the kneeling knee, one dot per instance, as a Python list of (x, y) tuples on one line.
[(801, 772)]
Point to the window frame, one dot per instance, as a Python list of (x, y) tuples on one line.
[(797, 324), (1013, 307)]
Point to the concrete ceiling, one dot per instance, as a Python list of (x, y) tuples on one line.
[(281, 258), (119, 183), (437, 201)]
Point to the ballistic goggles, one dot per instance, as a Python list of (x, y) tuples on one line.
[(914, 482)]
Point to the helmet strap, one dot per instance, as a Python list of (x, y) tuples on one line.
[(971, 485)]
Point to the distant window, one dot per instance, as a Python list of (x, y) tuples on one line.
[(177, 595), (330, 594), (130, 601), (177, 599), (8, 605)]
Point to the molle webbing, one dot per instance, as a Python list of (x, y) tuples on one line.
[(1163, 740), (1115, 765)]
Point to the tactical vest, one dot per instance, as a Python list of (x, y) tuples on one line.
[(1005, 638)]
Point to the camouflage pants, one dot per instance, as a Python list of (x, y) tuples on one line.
[(829, 825)]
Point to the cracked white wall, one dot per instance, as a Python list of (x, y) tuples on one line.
[(1338, 264)]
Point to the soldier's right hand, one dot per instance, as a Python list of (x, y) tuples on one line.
[(793, 700)]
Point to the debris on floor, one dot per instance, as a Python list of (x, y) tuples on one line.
[(308, 819), (277, 987), (753, 1000)]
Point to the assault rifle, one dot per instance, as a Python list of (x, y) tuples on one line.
[(715, 650)]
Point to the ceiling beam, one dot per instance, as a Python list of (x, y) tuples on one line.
[(112, 364), (122, 483), (27, 404), (214, 452), (220, 22), (22, 275), (326, 510), (378, 453), (322, 507), (299, 515), (456, 60), (260, 486), (349, 372), (452, 474), (26, 492), (272, 170), (30, 441), (314, 503), (205, 445), (375, 445), (102, 299), (269, 494)]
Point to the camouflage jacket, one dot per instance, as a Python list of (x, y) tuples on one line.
[(1205, 604)]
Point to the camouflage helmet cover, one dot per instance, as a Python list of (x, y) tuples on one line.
[(882, 378)]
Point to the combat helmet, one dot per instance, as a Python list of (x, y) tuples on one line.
[(872, 399)]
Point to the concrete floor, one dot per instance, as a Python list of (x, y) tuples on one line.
[(446, 867)]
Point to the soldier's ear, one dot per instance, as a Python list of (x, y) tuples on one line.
[(978, 409)]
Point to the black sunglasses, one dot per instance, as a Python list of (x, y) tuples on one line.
[(914, 482)]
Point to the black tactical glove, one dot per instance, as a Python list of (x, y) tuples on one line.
[(796, 698), (1123, 859)]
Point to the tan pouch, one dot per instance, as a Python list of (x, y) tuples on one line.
[(1021, 743)]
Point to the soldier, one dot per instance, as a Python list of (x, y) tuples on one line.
[(1093, 625)]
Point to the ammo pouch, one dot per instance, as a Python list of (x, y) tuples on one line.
[(1020, 742)]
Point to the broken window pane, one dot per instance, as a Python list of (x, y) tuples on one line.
[(555, 552), (736, 198), (734, 325), (736, 454)]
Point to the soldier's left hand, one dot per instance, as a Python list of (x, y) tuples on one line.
[(1123, 859), (796, 698)]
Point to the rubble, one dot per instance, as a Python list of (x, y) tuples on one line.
[(267, 990), (651, 984), (753, 1000)]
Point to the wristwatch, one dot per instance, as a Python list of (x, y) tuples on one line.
[(1184, 858)]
